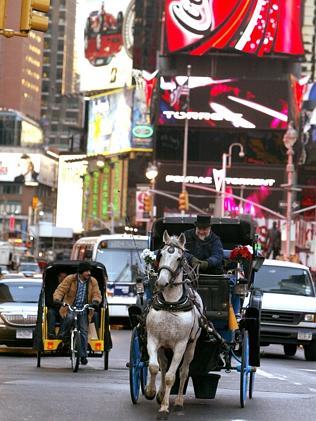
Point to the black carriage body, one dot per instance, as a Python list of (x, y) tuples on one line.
[(50, 283)]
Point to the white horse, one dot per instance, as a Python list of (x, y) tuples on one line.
[(171, 328)]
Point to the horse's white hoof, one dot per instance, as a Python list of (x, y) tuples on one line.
[(149, 394), (163, 415)]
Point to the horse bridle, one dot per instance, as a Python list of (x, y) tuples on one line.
[(174, 273)]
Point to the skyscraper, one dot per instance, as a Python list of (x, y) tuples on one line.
[(61, 116)]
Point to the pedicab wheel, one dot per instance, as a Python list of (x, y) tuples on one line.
[(106, 359), (244, 369), (74, 352), (38, 357), (134, 366), (251, 383)]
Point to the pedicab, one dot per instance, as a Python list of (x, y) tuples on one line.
[(99, 336), (230, 336)]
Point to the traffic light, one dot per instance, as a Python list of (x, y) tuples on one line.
[(183, 201), (148, 202), (30, 19), (2, 14)]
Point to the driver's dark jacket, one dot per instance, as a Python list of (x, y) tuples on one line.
[(210, 249)]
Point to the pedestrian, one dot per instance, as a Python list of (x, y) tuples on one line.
[(77, 290), (204, 248), (274, 241)]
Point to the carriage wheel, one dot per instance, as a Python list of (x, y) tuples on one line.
[(74, 352), (251, 383), (245, 368), (38, 358), (135, 366)]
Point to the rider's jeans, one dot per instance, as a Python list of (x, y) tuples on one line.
[(83, 326)]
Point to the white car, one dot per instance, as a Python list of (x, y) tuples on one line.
[(18, 311), (288, 313)]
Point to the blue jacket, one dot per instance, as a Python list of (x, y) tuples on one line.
[(210, 249)]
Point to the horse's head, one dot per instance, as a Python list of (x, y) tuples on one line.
[(170, 260)]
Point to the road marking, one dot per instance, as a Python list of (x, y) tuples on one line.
[(297, 384), (311, 389), (307, 369), (269, 375)]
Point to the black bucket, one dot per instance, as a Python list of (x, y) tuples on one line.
[(205, 386)]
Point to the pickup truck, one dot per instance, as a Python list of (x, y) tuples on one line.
[(288, 312)]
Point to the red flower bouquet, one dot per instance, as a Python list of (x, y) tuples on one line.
[(240, 254)]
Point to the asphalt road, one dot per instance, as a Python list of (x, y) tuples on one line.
[(285, 389)]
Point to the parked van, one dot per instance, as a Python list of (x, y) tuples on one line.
[(288, 314)]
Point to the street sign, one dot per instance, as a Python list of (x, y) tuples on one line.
[(284, 205)]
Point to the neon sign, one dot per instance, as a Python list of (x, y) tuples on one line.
[(233, 181)]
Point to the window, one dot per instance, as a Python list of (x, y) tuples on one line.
[(10, 188)]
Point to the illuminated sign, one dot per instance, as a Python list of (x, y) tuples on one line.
[(30, 134), (258, 27), (234, 181), (109, 126), (20, 168), (103, 44), (143, 131), (227, 103)]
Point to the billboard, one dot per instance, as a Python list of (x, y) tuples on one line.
[(227, 103), (20, 168), (103, 43), (110, 121), (70, 192), (257, 27)]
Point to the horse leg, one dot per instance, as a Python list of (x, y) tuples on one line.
[(152, 348), (184, 372), (163, 363), (171, 374)]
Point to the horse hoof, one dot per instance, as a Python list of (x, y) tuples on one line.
[(178, 409), (149, 396), (163, 415)]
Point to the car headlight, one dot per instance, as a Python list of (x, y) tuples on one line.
[(310, 317)]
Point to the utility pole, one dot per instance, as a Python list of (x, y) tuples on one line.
[(186, 135)]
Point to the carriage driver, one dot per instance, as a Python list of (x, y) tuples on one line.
[(77, 290), (204, 248)]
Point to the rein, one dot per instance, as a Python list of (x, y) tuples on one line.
[(179, 268)]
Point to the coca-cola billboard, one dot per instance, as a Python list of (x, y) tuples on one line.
[(258, 27)]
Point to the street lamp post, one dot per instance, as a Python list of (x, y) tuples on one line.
[(151, 174), (226, 165), (186, 134), (289, 139)]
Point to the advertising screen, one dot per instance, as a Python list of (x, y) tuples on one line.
[(229, 103), (103, 43), (258, 27), (109, 126), (30, 134)]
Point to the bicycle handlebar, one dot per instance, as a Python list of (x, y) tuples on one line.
[(76, 310)]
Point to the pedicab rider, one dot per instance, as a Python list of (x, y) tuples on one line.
[(53, 309), (203, 247), (77, 290)]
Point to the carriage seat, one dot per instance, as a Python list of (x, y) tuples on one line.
[(215, 294)]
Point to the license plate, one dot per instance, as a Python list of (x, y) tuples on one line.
[(304, 336), (24, 334)]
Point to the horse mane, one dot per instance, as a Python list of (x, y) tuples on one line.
[(174, 241)]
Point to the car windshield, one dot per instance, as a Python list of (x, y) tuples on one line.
[(284, 280), (19, 292), (32, 267), (121, 265)]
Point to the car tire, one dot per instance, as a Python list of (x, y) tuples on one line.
[(290, 349), (310, 351)]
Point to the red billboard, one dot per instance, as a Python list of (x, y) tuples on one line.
[(258, 27), (227, 103)]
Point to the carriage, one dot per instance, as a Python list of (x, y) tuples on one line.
[(236, 329), (99, 336)]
